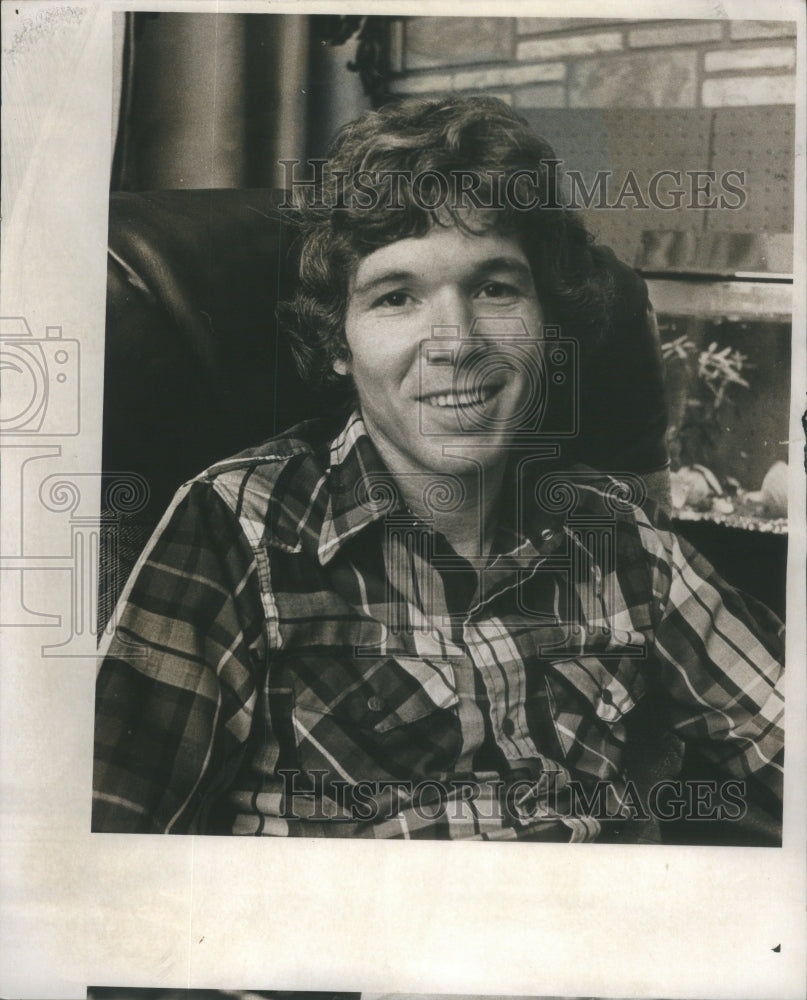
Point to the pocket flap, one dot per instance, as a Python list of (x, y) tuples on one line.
[(612, 690), (379, 694)]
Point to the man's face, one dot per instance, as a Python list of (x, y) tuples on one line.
[(472, 298)]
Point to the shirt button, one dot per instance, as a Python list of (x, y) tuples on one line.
[(508, 727), (606, 696), (375, 704)]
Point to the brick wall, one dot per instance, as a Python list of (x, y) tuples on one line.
[(579, 63)]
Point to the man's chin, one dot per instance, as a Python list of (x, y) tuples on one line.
[(460, 453)]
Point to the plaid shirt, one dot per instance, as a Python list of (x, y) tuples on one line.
[(297, 654)]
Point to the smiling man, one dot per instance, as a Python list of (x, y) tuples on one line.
[(424, 619)]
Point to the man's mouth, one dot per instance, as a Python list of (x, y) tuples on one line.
[(467, 398)]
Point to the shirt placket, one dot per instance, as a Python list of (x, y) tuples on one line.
[(493, 648)]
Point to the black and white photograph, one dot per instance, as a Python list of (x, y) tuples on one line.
[(443, 586), (401, 443)]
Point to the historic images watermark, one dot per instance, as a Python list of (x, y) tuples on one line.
[(318, 795), (314, 184)]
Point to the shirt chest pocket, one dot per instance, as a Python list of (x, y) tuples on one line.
[(590, 699), (371, 718)]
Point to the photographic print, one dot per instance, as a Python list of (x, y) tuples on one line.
[(402, 455), (453, 594)]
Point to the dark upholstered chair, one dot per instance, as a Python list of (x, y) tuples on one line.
[(196, 370)]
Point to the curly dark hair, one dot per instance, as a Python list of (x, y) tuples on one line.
[(356, 211)]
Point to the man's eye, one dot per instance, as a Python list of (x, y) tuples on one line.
[(497, 290), (394, 300)]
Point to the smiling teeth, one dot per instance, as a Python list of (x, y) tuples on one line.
[(448, 399)]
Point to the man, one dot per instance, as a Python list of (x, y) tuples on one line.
[(421, 622)]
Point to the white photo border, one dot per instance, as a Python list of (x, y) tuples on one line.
[(81, 908)]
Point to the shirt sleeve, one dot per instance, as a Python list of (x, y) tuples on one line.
[(720, 660), (178, 680)]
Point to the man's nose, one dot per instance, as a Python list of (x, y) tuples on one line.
[(452, 315)]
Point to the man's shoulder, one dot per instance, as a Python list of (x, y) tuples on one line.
[(593, 500), (307, 438), (283, 471), (581, 490)]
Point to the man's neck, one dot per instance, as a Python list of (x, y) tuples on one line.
[(469, 525)]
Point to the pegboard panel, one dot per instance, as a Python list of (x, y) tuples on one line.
[(580, 138), (761, 142), (758, 141), (644, 141), (648, 142)]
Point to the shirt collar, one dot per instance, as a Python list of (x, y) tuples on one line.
[(363, 491), (361, 488)]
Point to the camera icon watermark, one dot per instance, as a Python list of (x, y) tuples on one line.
[(53, 528), (40, 380), (501, 379)]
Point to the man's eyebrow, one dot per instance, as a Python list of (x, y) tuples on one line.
[(383, 278), (503, 264)]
